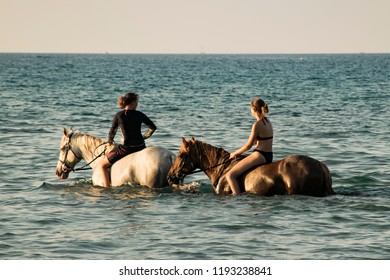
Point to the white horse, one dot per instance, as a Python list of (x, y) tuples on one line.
[(148, 167)]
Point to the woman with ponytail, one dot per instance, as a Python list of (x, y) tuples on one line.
[(129, 120), (261, 136)]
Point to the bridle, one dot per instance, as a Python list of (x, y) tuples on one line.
[(68, 147), (181, 175)]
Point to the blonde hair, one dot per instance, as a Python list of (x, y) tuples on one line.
[(127, 99), (260, 107)]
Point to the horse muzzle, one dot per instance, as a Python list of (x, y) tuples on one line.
[(62, 172), (175, 179), (62, 175)]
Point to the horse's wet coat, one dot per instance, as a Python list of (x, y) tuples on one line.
[(294, 174), (148, 167)]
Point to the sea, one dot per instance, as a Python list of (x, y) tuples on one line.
[(332, 107)]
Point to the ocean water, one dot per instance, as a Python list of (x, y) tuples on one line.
[(334, 108)]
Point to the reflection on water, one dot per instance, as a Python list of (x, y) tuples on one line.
[(84, 189)]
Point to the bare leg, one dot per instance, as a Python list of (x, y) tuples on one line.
[(104, 164), (244, 165)]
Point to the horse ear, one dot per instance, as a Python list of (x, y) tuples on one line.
[(192, 138), (185, 143), (65, 131)]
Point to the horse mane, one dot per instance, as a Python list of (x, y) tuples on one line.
[(87, 140), (214, 161), (211, 151)]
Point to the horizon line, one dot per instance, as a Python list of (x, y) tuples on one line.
[(192, 53)]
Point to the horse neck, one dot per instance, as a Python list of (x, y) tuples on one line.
[(211, 160), (88, 146)]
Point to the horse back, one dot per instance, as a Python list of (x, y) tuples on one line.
[(148, 167), (295, 174), (305, 175), (264, 180)]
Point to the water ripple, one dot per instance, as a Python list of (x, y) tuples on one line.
[(331, 107)]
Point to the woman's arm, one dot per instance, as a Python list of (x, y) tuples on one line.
[(113, 129), (149, 133), (151, 125), (251, 141)]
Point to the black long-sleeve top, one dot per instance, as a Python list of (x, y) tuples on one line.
[(130, 122)]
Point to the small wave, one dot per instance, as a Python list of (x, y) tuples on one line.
[(23, 128), (7, 236), (49, 221), (85, 189), (352, 193), (44, 56), (363, 190), (76, 183), (360, 180), (187, 187)]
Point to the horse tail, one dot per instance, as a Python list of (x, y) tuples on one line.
[(327, 179)]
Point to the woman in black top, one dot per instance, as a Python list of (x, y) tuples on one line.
[(129, 121)]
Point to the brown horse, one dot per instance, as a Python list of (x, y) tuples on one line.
[(295, 174)]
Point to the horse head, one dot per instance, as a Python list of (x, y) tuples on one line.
[(69, 155), (186, 162)]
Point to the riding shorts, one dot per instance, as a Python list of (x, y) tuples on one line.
[(123, 151), (267, 155)]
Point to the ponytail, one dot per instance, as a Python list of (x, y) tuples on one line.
[(127, 99), (260, 107)]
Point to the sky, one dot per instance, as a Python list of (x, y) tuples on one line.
[(195, 26)]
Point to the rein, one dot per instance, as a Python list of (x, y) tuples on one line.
[(208, 168), (86, 166)]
